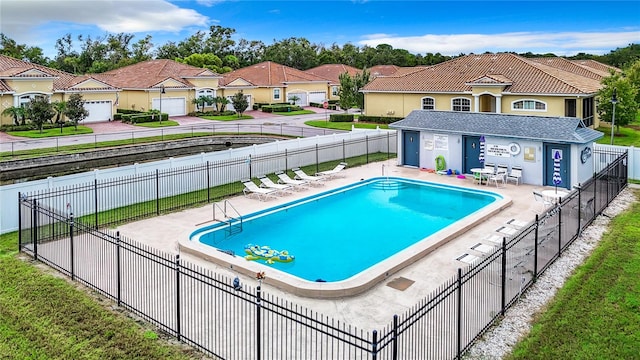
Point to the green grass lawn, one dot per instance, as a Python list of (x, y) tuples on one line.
[(157, 124), (628, 135), (596, 315), (227, 117), (344, 125), (43, 316), (66, 131)]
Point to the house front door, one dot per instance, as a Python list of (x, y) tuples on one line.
[(471, 148), (411, 146)]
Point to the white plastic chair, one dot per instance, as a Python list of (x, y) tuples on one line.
[(515, 175), (542, 200)]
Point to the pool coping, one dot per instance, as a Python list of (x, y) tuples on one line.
[(362, 281)]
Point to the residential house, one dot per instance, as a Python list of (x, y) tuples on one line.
[(332, 73), (269, 82), (495, 83), (154, 84)]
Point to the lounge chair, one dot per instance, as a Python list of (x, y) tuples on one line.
[(507, 231), (250, 188), (283, 178), (267, 183), (333, 172), (315, 180)]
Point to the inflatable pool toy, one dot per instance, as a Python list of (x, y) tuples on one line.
[(441, 164), (255, 252)]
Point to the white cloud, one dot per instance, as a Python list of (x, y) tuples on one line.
[(25, 20), (564, 43)]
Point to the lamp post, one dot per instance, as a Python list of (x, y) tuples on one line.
[(614, 101), (161, 92)]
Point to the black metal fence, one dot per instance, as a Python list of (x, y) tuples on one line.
[(205, 310)]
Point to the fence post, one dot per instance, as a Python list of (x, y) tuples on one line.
[(535, 250), (344, 155), (459, 310), (157, 192), (250, 172), (395, 337), (374, 345), (317, 165), (258, 325), (118, 273), (559, 207), (19, 221), (208, 184), (95, 201), (34, 229), (579, 209), (366, 141), (286, 159), (503, 278), (388, 146), (73, 276), (178, 296)]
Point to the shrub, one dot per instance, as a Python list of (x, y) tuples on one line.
[(280, 108), (341, 117), (378, 119), (31, 126), (129, 111)]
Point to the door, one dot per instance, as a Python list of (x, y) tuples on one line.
[(317, 97), (98, 111), (302, 98), (229, 106), (562, 151), (471, 148), (410, 148), (171, 106)]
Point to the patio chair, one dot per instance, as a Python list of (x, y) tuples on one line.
[(267, 183), (333, 172), (314, 180), (250, 188), (515, 175), (491, 167), (502, 168), (497, 178), (283, 178), (542, 200)]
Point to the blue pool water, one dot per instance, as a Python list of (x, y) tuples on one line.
[(339, 233)]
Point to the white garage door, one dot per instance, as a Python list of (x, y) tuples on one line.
[(302, 98), (229, 106), (317, 96), (98, 111), (171, 106)]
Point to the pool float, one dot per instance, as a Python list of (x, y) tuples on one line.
[(255, 252), (441, 165)]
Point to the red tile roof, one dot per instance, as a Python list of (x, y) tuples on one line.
[(149, 74), (527, 77), (332, 71), (383, 70), (269, 74), (11, 67)]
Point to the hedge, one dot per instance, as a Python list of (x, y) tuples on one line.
[(378, 119), (341, 117), (332, 105), (142, 118), (32, 126), (280, 108)]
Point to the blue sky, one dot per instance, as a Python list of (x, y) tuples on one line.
[(448, 27)]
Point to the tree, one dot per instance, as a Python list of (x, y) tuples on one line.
[(632, 73), (345, 93), (59, 107), (199, 102), (626, 107), (297, 53), (16, 112), (240, 103), (359, 81), (39, 110), (293, 99), (75, 109), (221, 103)]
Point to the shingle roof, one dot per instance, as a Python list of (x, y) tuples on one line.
[(149, 74), (332, 71), (555, 129), (527, 76), (270, 74)]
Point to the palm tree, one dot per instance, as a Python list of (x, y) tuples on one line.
[(16, 112), (294, 99), (59, 107), (221, 103)]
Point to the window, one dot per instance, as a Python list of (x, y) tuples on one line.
[(570, 107), (25, 99), (587, 111), (529, 105), (334, 91), (206, 92), (276, 94), (428, 103), (461, 104)]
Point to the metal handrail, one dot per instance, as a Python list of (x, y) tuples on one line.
[(228, 219)]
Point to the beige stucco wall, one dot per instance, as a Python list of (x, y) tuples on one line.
[(205, 83)]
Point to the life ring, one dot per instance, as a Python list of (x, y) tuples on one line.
[(514, 148), (441, 164)]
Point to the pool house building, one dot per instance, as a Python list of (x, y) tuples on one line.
[(533, 143)]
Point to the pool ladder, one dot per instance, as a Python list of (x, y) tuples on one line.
[(234, 223)]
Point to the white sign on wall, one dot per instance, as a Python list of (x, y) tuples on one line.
[(498, 150), (441, 142)]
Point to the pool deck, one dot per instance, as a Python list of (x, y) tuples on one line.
[(393, 293)]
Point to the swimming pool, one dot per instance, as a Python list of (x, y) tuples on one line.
[(339, 234)]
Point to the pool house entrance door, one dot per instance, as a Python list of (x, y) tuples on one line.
[(410, 148), (470, 157), (563, 152)]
